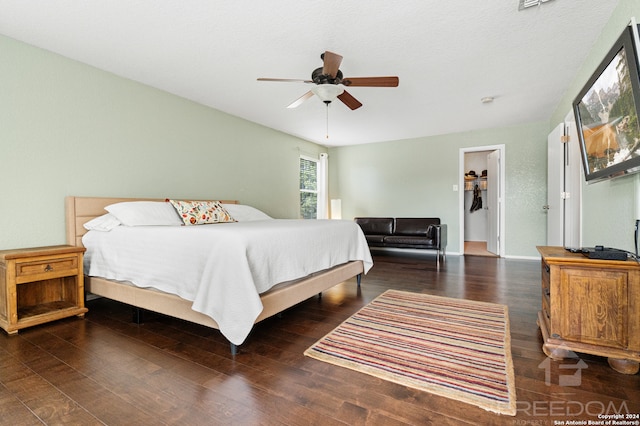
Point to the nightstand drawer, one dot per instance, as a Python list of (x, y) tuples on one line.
[(47, 267)]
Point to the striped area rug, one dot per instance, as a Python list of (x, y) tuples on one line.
[(459, 349)]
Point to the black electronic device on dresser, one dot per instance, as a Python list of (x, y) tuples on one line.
[(601, 252), (607, 253)]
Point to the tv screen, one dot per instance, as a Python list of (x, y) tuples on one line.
[(606, 111)]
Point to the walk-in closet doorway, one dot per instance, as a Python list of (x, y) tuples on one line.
[(481, 201)]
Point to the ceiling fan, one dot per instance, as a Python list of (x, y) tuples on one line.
[(330, 83)]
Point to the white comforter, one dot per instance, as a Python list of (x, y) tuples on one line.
[(223, 267)]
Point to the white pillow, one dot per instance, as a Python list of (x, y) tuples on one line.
[(104, 223), (143, 213), (244, 213)]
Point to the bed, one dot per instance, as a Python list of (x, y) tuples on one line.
[(261, 302)]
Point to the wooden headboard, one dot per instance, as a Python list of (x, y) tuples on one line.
[(80, 210)]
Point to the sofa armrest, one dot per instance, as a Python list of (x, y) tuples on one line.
[(440, 236)]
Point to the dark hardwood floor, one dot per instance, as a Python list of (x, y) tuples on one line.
[(104, 369)]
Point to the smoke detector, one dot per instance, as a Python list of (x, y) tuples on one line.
[(525, 4)]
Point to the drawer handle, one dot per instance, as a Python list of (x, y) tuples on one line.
[(48, 268)]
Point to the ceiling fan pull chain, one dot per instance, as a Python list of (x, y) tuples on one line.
[(327, 103)]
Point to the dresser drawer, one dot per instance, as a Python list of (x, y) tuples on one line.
[(546, 278), (54, 267)]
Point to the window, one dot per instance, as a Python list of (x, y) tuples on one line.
[(313, 187), (308, 188)]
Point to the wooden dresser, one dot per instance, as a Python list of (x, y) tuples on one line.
[(590, 306), (39, 285)]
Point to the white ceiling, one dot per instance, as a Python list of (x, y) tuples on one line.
[(447, 54)]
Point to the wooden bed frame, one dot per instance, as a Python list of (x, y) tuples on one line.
[(80, 210)]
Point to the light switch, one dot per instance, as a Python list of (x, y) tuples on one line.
[(455, 188)]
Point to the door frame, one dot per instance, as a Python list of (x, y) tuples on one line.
[(501, 193)]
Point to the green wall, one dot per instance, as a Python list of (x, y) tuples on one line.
[(608, 207), (415, 178), (70, 129)]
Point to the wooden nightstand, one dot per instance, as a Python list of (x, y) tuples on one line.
[(39, 285)]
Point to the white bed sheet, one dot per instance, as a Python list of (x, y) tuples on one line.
[(222, 268)]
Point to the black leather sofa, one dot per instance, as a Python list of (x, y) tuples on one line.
[(416, 233)]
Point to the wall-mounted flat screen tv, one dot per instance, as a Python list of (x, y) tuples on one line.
[(606, 111)]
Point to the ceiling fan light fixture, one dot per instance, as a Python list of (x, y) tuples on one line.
[(327, 92)]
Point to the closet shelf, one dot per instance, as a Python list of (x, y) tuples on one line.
[(469, 185)]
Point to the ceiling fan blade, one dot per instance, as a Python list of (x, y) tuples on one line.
[(371, 81), (331, 63), (286, 80), (300, 100), (349, 100)]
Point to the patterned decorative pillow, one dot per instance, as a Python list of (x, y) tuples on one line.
[(201, 212)]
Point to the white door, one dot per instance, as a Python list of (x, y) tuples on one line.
[(573, 186), (555, 187), (493, 202)]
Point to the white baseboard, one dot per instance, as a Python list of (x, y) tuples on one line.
[(448, 253)]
